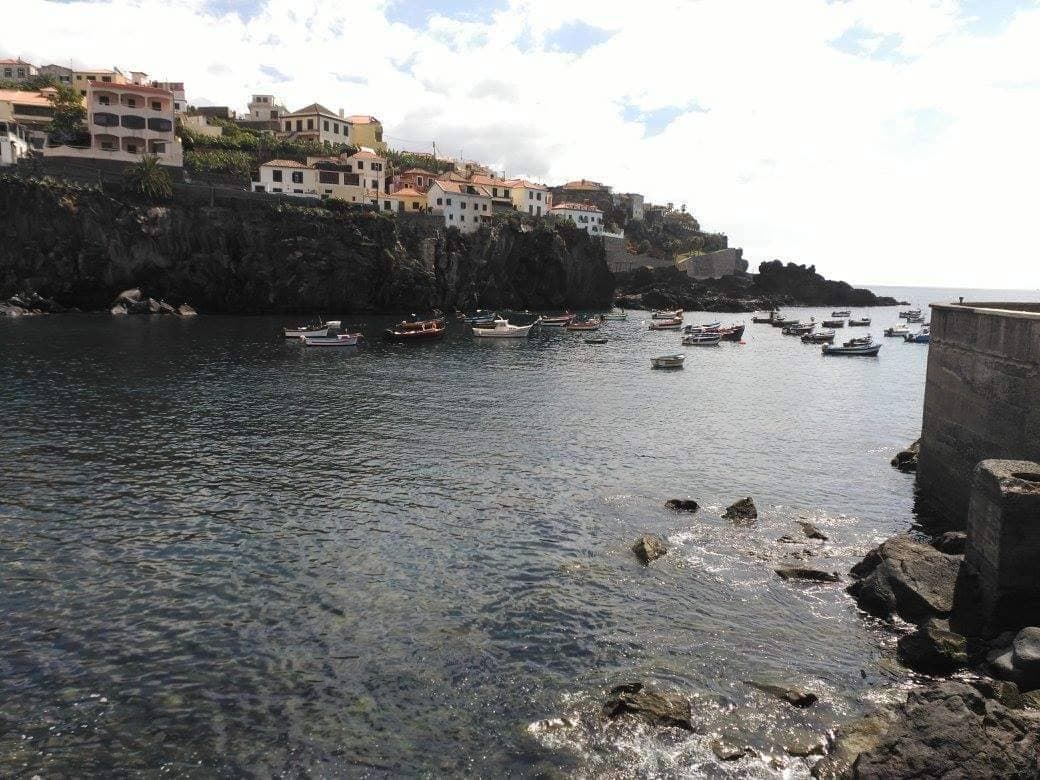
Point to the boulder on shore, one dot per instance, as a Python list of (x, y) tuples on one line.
[(682, 505), (949, 729), (654, 707), (796, 697), (907, 578), (906, 460), (741, 510), (803, 573), (1019, 663), (951, 542), (934, 649), (649, 547)]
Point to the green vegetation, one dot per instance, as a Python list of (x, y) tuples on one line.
[(149, 179), (31, 84), (402, 161), (664, 233), (69, 114)]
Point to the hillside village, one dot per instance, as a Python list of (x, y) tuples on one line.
[(94, 124)]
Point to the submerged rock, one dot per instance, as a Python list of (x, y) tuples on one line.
[(804, 573), (726, 750), (741, 510), (812, 531), (649, 547), (796, 697), (906, 460), (906, 578), (654, 707), (849, 741), (682, 505), (950, 730)]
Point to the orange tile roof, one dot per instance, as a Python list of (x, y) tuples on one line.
[(15, 62), (363, 155), (362, 119), (25, 98), (576, 207), (457, 188), (129, 88), (410, 192), (285, 164), (419, 170), (583, 184), (526, 184)]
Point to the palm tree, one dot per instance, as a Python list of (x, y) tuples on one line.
[(150, 179)]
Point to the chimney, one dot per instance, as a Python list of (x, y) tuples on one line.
[(341, 113)]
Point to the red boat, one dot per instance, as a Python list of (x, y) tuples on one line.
[(416, 330), (732, 333)]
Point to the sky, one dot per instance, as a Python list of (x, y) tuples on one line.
[(884, 141)]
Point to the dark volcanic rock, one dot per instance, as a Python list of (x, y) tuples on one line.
[(906, 460), (796, 697), (949, 730), (741, 510), (906, 578), (649, 547), (802, 573), (850, 740), (951, 542), (655, 707), (934, 649), (725, 750), (1019, 663), (812, 531), (682, 505)]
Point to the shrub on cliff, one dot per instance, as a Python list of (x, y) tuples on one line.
[(149, 179)]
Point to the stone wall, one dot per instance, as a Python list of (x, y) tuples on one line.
[(714, 265), (982, 398), (619, 260)]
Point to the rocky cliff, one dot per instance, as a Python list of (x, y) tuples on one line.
[(81, 246)]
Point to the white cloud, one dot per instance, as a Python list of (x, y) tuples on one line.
[(913, 161)]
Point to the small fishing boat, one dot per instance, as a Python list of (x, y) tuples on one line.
[(481, 317), (596, 340), (614, 316), (312, 331), (502, 329), (341, 340), (766, 320), (732, 333), (834, 323), (559, 321), (415, 330), (866, 350), (863, 322), (798, 328), (666, 324), (701, 339), (897, 330), (823, 337), (910, 313), (916, 320), (667, 315), (667, 361), (841, 313), (707, 327), (923, 336), (860, 342), (781, 322), (593, 323)]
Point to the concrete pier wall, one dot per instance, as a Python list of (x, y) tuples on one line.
[(982, 398)]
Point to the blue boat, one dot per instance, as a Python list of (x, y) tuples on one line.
[(923, 336)]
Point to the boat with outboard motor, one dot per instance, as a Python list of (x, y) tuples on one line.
[(677, 314), (592, 323), (923, 336), (909, 313), (312, 331), (773, 315), (842, 313), (615, 316), (340, 340), (834, 323), (864, 347), (667, 361), (481, 317), (732, 333), (415, 330), (502, 329), (798, 328), (701, 339), (862, 322), (558, 321), (897, 330), (823, 337), (666, 324)]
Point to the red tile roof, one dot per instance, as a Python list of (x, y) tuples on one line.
[(526, 184), (583, 184), (410, 192), (130, 88), (16, 62), (457, 187), (285, 164), (362, 119)]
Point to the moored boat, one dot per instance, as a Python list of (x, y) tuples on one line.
[(834, 323), (558, 321), (917, 319), (798, 328), (667, 361), (667, 315), (415, 330), (859, 342), (862, 322), (312, 331), (923, 336), (614, 316), (897, 330), (666, 324), (866, 350), (592, 323), (705, 327), (842, 313), (732, 333), (341, 340), (910, 313), (823, 337), (502, 329), (701, 339), (596, 340), (481, 317), (766, 320)]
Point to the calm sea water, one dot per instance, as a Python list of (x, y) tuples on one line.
[(225, 555)]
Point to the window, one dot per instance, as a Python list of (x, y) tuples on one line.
[(109, 79), (386, 205), (538, 196), (530, 209), (131, 102), (328, 192), (328, 177), (108, 146), (258, 188), (415, 205), (158, 147), (530, 195), (462, 205), (505, 193), (7, 73), (297, 177), (288, 126), (375, 184), (299, 125), (439, 202), (104, 100), (448, 201), (156, 105), (160, 125), (335, 127), (274, 114), (298, 192), (132, 122), (484, 207), (276, 175), (132, 148), (102, 119), (310, 124), (462, 218), (79, 77), (494, 192), (325, 125), (418, 180), (539, 211), (451, 216), (361, 165), (276, 189)]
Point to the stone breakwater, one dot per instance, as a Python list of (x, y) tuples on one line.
[(80, 246)]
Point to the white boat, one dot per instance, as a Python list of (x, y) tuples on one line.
[(897, 330), (667, 315), (616, 316), (501, 329), (675, 324), (312, 331), (342, 340), (667, 361), (701, 339)]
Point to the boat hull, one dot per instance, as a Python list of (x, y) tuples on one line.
[(869, 350), (343, 340), (668, 361)]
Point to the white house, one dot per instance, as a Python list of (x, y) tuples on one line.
[(315, 123), (465, 206), (14, 143), (287, 177), (265, 108), (319, 177), (370, 167), (529, 197), (175, 88), (589, 218)]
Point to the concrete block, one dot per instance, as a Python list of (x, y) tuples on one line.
[(1003, 544)]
